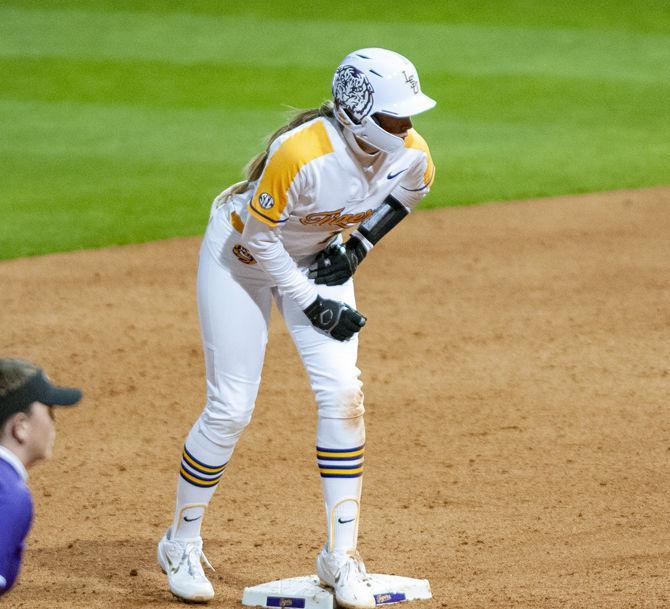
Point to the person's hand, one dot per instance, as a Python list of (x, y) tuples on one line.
[(338, 262), (335, 318)]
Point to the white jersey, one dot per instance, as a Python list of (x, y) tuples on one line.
[(314, 186)]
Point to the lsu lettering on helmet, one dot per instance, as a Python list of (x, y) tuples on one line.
[(371, 81)]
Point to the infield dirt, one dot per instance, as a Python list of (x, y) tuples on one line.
[(516, 365)]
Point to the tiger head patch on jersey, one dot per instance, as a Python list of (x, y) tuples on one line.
[(243, 254)]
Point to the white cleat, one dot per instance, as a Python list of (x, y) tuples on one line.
[(181, 560), (346, 575)]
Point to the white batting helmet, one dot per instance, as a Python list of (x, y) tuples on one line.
[(370, 81)]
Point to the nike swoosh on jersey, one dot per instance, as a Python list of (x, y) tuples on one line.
[(390, 176)]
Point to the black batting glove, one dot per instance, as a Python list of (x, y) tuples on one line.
[(338, 262), (335, 318)]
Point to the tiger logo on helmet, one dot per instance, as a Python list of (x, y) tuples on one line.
[(353, 91)]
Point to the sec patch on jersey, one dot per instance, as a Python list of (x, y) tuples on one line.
[(266, 201)]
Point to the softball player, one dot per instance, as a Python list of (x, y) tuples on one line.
[(355, 163)]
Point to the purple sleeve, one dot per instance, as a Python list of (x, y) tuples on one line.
[(16, 514)]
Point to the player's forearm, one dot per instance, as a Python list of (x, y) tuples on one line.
[(337, 263), (269, 252), (386, 217)]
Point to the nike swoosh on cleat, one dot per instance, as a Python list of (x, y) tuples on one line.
[(390, 176), (345, 521), (187, 519)]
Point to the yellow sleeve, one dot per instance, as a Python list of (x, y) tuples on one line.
[(414, 140), (270, 201)]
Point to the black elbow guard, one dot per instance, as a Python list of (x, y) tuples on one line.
[(383, 219)]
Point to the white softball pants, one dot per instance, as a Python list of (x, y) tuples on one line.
[(234, 302)]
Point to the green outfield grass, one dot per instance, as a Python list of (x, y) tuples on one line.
[(119, 121)]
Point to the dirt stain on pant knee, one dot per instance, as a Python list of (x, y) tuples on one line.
[(353, 407)]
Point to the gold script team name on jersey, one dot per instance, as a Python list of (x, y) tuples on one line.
[(336, 218)]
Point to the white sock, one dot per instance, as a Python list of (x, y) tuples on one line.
[(202, 465), (340, 445)]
